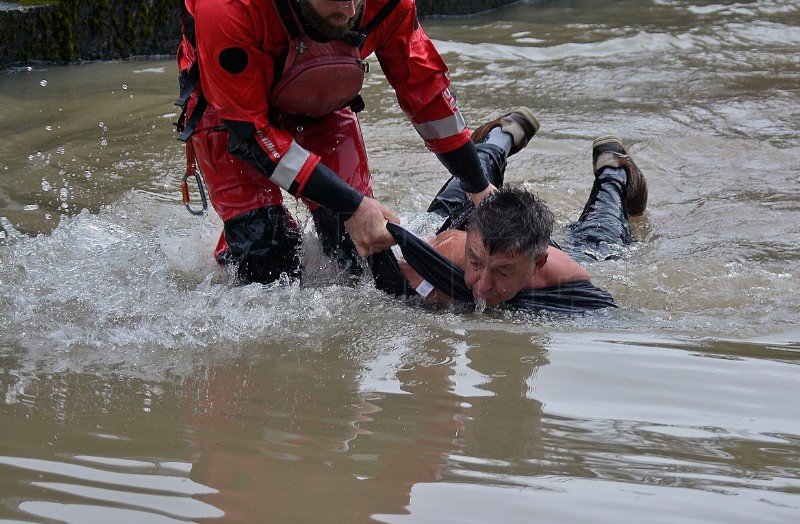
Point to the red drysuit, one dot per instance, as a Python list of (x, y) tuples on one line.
[(253, 140)]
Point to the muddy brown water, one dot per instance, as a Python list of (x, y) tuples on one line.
[(139, 386)]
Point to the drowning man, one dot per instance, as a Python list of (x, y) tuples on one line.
[(500, 253)]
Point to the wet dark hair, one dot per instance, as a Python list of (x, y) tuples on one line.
[(513, 220)]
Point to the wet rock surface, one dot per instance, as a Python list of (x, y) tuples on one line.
[(72, 31)]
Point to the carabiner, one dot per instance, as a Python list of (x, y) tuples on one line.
[(185, 193)]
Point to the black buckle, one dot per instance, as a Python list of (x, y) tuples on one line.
[(354, 39)]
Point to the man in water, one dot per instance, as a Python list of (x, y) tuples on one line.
[(504, 244)]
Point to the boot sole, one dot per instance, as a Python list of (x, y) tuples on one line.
[(608, 139), (530, 118)]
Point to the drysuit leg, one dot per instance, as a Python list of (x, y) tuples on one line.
[(262, 245), (260, 238)]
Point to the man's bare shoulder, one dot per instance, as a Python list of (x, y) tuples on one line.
[(559, 268), (451, 244)]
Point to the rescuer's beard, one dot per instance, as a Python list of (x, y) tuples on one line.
[(332, 26)]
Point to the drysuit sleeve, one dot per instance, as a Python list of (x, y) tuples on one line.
[(296, 172), (421, 81), (238, 48)]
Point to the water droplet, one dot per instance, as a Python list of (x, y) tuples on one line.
[(104, 142), (124, 86), (60, 151), (48, 128), (43, 83), (31, 207), (46, 185)]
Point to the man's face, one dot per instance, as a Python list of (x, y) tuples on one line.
[(332, 18), (495, 278)]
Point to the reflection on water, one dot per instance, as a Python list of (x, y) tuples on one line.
[(147, 477), (139, 386)]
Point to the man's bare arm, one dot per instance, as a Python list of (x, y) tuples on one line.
[(450, 244)]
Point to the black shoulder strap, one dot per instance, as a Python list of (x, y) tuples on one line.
[(380, 17), (188, 81), (288, 19), (187, 126), (354, 38), (358, 37)]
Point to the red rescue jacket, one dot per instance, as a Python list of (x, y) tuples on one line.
[(242, 46)]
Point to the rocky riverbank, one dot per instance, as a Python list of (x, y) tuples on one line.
[(72, 30)]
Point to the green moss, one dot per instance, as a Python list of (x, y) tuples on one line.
[(71, 30), (37, 2)]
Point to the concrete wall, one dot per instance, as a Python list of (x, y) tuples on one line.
[(75, 30)]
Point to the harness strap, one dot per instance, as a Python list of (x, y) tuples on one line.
[(188, 81), (189, 125), (287, 17), (380, 17), (569, 298), (355, 38)]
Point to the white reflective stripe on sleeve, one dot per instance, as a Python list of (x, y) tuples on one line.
[(289, 166), (444, 128), (424, 288)]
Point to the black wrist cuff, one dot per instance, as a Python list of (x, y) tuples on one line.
[(328, 190), (463, 163)]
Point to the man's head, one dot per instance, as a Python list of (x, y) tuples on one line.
[(507, 239), (331, 18)]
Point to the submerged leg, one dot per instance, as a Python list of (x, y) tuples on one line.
[(619, 189), (602, 231), (335, 241)]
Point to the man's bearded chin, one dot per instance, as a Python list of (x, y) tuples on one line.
[(322, 25)]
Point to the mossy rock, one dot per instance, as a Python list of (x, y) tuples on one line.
[(72, 30)]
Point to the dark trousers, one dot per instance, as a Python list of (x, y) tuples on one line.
[(602, 231)]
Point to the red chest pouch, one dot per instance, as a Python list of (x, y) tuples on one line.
[(318, 78)]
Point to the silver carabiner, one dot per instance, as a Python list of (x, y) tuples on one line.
[(200, 189)]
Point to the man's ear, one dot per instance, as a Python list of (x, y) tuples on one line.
[(540, 261)]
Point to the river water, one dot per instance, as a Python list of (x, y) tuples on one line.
[(138, 385)]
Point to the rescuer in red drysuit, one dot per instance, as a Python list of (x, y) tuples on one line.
[(281, 79)]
